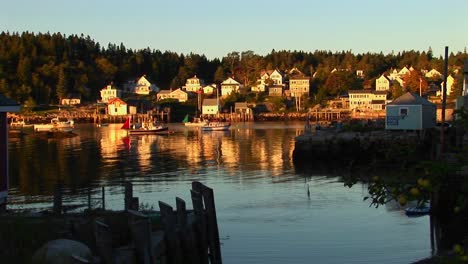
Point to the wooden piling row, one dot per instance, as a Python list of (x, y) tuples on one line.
[(176, 237)]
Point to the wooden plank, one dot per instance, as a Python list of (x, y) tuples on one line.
[(168, 219), (212, 226), (158, 247), (140, 230), (103, 237), (181, 212), (200, 224)]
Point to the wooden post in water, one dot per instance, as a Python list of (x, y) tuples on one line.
[(89, 198), (212, 223), (169, 219), (57, 209), (200, 221), (128, 196), (103, 198)]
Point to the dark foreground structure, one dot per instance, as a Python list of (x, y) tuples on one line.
[(128, 236)]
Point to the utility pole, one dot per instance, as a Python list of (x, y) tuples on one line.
[(444, 102)]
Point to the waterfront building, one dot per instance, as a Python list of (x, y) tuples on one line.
[(367, 100), (116, 107), (410, 112), (210, 107)]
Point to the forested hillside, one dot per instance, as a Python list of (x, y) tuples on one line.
[(42, 68)]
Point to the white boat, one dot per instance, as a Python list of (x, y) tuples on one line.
[(197, 122), (216, 126), (145, 128), (55, 126)]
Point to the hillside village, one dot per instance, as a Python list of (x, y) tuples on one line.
[(292, 85)]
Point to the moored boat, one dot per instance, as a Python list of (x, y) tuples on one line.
[(216, 126), (55, 125), (197, 122), (417, 211), (145, 128)]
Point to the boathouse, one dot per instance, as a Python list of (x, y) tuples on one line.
[(410, 112), (6, 105)]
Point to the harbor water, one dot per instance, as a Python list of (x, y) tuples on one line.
[(268, 211)]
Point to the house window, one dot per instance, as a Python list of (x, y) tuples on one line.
[(403, 111)]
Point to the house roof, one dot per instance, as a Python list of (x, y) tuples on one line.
[(115, 100), (240, 105), (165, 92), (210, 102), (8, 105), (410, 99), (366, 91)]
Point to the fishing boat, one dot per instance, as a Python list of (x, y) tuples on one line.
[(216, 126), (55, 125), (197, 122), (144, 128)]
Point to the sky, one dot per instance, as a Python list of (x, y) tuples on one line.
[(215, 28)]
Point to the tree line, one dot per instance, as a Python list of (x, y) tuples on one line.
[(43, 68)]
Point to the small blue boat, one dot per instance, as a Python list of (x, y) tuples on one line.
[(417, 211)]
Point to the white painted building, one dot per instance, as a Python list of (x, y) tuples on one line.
[(229, 86), (109, 92), (116, 106), (193, 84)]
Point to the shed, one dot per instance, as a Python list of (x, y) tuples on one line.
[(410, 112), (242, 107), (6, 105)]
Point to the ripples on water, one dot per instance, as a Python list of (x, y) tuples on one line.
[(264, 213)]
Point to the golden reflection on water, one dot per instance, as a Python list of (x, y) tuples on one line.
[(106, 154)]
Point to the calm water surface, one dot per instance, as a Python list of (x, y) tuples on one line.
[(264, 213)]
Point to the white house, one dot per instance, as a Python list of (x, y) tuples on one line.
[(261, 83), (270, 77), (116, 106), (71, 99), (210, 107), (209, 89), (367, 100), (144, 87), (433, 74), (299, 85), (109, 92), (193, 84), (277, 77), (450, 86), (403, 72), (382, 83), (177, 94), (229, 86)]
